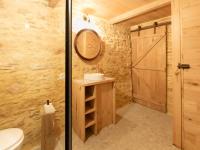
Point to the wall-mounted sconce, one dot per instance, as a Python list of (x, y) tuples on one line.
[(87, 11), (86, 17)]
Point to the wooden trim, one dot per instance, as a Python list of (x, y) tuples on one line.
[(139, 11), (150, 24), (176, 51), (131, 68), (114, 105), (150, 104), (150, 69)]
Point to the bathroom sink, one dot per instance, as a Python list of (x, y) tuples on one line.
[(93, 76)]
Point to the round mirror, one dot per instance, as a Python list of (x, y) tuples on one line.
[(87, 44)]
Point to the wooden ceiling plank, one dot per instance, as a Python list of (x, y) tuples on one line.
[(139, 11), (53, 3)]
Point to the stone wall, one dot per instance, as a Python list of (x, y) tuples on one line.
[(114, 60), (32, 52)]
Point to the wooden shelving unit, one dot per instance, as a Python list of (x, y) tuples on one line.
[(90, 109), (93, 106)]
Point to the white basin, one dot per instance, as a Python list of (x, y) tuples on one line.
[(93, 76)]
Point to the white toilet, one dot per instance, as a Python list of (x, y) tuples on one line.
[(11, 139)]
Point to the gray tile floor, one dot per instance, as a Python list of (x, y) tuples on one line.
[(138, 128)]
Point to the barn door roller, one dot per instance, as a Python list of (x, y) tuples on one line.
[(183, 66), (139, 28), (155, 25)]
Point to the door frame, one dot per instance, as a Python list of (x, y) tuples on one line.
[(177, 73)]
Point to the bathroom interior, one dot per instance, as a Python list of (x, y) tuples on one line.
[(135, 82), (135, 74)]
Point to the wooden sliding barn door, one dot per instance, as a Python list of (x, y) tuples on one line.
[(149, 67)]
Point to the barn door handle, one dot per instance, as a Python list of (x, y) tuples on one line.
[(183, 66)]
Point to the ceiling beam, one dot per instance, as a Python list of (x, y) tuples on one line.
[(140, 10)]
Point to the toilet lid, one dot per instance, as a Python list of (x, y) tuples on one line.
[(9, 137)]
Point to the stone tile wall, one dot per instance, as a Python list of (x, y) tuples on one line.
[(32, 56)]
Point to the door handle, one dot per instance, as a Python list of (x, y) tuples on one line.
[(183, 66)]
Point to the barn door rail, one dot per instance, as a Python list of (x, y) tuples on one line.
[(151, 26)]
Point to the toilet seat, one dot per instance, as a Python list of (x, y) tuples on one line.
[(10, 138)]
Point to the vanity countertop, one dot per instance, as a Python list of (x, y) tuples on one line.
[(89, 82)]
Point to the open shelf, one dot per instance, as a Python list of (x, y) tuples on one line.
[(89, 91), (90, 98), (89, 105), (90, 111), (89, 124), (89, 131), (89, 120)]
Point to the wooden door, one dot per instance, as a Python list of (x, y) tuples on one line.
[(149, 67), (190, 48)]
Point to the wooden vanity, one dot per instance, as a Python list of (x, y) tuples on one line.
[(93, 106)]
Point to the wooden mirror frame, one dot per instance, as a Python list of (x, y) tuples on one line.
[(76, 48)]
